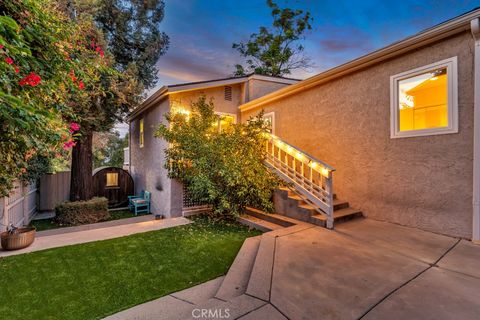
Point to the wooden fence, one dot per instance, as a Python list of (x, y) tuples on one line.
[(19, 206), (54, 189)]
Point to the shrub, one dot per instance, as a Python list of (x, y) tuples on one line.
[(222, 166), (82, 212)]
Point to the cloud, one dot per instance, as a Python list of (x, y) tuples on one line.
[(341, 40)]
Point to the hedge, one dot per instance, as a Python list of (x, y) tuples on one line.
[(82, 212)]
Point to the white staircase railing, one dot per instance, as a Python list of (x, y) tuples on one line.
[(310, 178)]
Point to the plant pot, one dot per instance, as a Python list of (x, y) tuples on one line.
[(22, 238)]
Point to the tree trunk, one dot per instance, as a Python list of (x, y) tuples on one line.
[(81, 184)]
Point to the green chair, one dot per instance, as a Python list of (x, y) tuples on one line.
[(141, 204)]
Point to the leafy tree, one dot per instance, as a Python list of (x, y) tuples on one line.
[(131, 43), (108, 149), (276, 51), (35, 90), (132, 30), (224, 168)]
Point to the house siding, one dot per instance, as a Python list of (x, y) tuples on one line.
[(217, 94), (147, 164), (423, 182), (258, 88)]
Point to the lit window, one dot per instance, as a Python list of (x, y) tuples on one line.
[(141, 135), (112, 179), (225, 120), (424, 100), (269, 118)]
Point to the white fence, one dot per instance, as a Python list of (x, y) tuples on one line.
[(20, 205)]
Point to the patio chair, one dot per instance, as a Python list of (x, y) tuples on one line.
[(130, 198), (141, 205)]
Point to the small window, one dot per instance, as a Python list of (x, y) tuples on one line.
[(424, 100), (228, 93), (112, 179), (141, 134), (269, 118)]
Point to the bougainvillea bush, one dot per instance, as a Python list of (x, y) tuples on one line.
[(52, 70)]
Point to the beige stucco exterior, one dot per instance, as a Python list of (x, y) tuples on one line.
[(423, 182), (216, 94), (147, 163)]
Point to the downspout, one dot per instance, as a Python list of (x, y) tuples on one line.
[(130, 147), (475, 27)]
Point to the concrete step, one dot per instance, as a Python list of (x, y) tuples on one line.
[(218, 309), (271, 217), (337, 205), (257, 223), (340, 215), (260, 279), (235, 282), (340, 204), (295, 197)]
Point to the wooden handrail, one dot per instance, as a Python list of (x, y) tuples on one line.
[(310, 178)]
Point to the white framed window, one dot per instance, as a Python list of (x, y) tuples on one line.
[(225, 120), (424, 101), (141, 134), (270, 119)]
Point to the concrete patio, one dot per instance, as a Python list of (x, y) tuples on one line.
[(364, 269)]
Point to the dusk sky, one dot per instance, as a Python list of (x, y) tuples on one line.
[(202, 32)]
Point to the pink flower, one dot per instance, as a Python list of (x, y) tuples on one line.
[(100, 51), (69, 144), (32, 79), (17, 69), (1, 46), (9, 60), (81, 85), (74, 127)]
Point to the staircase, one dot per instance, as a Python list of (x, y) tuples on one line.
[(310, 196), (288, 203)]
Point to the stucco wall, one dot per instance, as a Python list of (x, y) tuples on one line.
[(217, 94), (258, 88), (424, 182), (147, 164)]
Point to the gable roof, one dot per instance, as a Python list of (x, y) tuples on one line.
[(440, 31), (164, 91)]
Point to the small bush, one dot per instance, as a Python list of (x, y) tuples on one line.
[(82, 212)]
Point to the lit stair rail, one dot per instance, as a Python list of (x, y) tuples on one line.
[(310, 178)]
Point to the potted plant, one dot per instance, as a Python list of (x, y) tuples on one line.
[(17, 238)]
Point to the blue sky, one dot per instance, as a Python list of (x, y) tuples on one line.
[(202, 31)]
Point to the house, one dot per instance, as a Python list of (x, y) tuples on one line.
[(146, 153), (400, 125), (396, 132)]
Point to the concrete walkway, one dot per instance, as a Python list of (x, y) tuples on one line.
[(364, 269), (100, 231)]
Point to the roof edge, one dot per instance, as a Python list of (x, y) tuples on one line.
[(154, 98), (191, 86), (430, 35)]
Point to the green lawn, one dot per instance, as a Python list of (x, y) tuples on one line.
[(92, 280), (47, 224)]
